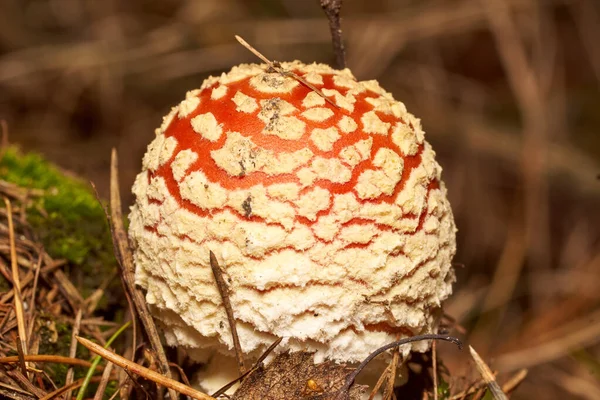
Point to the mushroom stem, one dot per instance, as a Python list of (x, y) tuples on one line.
[(224, 291), (332, 10)]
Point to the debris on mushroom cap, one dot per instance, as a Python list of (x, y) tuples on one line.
[(331, 224)]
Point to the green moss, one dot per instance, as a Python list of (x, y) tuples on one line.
[(74, 227), (70, 222)]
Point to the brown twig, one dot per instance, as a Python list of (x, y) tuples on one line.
[(45, 358), (143, 371), (332, 9), (488, 376), (276, 66), (224, 291), (125, 261)]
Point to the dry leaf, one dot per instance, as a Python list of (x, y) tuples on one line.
[(296, 376)]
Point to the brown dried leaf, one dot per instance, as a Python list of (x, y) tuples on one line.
[(296, 376)]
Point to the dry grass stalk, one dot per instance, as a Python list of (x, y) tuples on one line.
[(49, 358), (16, 281), (13, 392), (26, 384), (104, 379), (125, 259), (559, 342), (488, 376), (526, 83), (275, 66), (514, 381), (388, 393), (74, 385), (143, 371), (384, 375), (32, 302), (73, 350), (434, 367)]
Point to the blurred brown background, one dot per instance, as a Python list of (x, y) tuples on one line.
[(508, 92)]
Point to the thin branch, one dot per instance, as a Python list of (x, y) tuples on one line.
[(143, 371), (182, 374), (277, 67), (352, 377), (254, 368), (224, 291), (267, 352), (332, 9)]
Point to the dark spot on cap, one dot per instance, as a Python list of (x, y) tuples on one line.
[(247, 206)]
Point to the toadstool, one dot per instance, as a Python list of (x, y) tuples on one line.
[(331, 224)]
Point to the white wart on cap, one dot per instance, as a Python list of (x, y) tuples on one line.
[(331, 224)]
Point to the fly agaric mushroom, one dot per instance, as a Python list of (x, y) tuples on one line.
[(331, 224)]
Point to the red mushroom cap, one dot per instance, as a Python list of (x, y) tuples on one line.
[(331, 223)]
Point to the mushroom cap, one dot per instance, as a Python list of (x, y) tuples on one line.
[(331, 225)]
